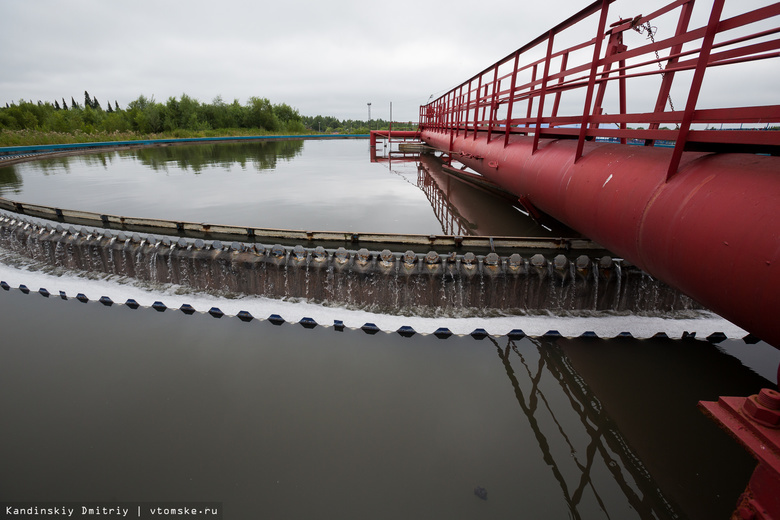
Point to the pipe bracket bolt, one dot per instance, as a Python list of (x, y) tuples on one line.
[(363, 256), (320, 254), (299, 253), (764, 408), (432, 258), (387, 258), (515, 262)]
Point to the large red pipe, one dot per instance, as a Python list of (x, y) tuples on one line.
[(712, 230)]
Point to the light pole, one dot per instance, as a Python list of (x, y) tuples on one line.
[(369, 117)]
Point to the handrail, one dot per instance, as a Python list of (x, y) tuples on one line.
[(523, 94)]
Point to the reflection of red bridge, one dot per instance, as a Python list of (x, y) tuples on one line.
[(703, 214)]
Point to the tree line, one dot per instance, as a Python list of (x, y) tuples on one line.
[(329, 124), (174, 117)]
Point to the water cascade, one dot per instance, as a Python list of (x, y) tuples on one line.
[(383, 281)]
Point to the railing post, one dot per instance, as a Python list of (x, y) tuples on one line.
[(614, 46), (668, 76), (543, 91), (458, 110), (530, 107), (556, 104), (693, 95), (476, 105), (468, 109), (493, 102), (511, 99), (592, 80), (483, 97)]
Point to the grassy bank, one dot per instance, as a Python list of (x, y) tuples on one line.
[(33, 137)]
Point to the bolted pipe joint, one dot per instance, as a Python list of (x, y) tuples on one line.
[(341, 256), (386, 259), (469, 263), (539, 264), (409, 259), (516, 263), (606, 267), (491, 264), (363, 261), (363, 256), (277, 251), (583, 266), (298, 255), (764, 408), (320, 256), (561, 266)]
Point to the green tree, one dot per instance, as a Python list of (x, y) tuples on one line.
[(66, 121), (144, 115), (260, 114), (115, 122), (92, 118), (171, 115)]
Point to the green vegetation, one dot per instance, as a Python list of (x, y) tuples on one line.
[(26, 122), (331, 125)]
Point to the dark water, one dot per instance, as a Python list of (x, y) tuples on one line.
[(112, 404), (291, 184)]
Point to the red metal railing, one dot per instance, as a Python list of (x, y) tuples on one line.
[(562, 94)]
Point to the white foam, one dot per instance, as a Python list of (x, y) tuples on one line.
[(122, 289)]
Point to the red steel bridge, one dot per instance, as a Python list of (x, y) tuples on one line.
[(623, 137)]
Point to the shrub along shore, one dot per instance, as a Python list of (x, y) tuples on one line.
[(61, 122)]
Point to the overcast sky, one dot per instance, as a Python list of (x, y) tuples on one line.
[(321, 57)]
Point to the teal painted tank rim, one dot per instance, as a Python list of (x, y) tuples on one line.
[(7, 150)]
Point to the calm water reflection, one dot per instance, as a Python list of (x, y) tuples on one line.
[(291, 184), (112, 404), (285, 422)]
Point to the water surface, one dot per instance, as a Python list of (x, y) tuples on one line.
[(113, 404), (316, 185)]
